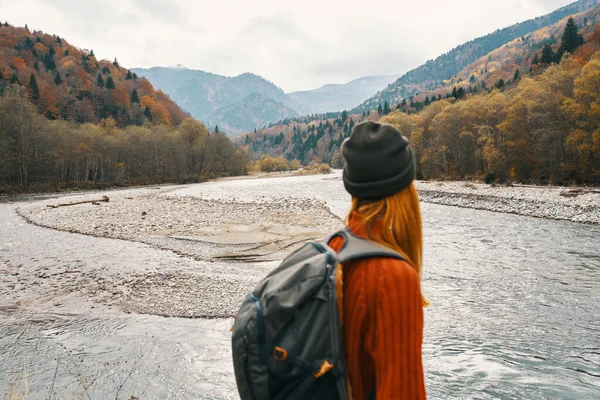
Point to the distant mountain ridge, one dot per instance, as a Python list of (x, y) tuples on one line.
[(209, 97), (247, 101), (433, 73), (339, 97)]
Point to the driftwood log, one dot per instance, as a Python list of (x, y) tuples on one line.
[(577, 192), (104, 199)]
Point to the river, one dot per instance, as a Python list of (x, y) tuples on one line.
[(514, 309)]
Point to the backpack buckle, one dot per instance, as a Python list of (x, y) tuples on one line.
[(325, 367), (280, 354)]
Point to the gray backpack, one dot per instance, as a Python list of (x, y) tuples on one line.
[(287, 337)]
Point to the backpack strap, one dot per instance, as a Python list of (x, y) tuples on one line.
[(355, 247)]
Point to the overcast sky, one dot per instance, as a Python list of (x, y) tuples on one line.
[(297, 45)]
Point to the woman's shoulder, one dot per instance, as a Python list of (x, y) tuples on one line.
[(388, 267)]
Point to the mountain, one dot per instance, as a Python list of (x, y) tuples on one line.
[(213, 98), (254, 111), (433, 73), (338, 97), (68, 83), (510, 62), (537, 126)]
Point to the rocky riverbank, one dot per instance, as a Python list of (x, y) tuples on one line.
[(228, 246), (569, 204)]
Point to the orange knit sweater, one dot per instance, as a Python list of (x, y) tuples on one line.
[(383, 325)]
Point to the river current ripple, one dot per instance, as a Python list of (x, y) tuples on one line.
[(515, 305)]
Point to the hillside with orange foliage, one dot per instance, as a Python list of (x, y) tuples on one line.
[(542, 126), (72, 84), (69, 120), (524, 54)]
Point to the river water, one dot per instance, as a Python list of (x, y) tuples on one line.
[(515, 306)]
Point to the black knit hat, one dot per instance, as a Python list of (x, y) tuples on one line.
[(379, 161)]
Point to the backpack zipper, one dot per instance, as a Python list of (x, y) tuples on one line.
[(249, 380), (262, 348)]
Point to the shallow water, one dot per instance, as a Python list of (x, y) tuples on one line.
[(514, 309)]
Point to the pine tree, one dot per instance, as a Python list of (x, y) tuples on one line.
[(216, 128), (570, 40), (379, 109), (57, 79), (517, 75), (29, 43), (26, 28), (129, 76), (148, 113), (386, 107), (344, 115), (14, 79), (116, 63), (36, 65), (33, 86), (454, 92), (547, 55), (135, 76), (58, 40), (92, 53), (472, 78), (134, 96), (427, 101), (536, 59), (49, 62), (110, 83), (500, 84), (100, 81), (38, 40)]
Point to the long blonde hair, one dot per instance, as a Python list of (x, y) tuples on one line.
[(400, 219)]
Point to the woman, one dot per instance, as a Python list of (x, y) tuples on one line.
[(382, 306)]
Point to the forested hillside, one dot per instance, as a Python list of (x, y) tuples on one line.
[(434, 72), (543, 127), (65, 82), (68, 119)]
